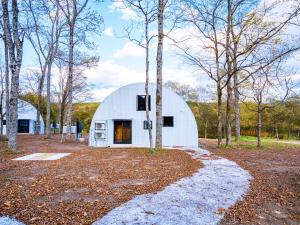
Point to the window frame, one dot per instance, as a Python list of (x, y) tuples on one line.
[(137, 103), (164, 124)]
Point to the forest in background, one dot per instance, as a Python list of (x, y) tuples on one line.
[(281, 121)]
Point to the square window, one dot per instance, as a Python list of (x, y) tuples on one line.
[(168, 121), (146, 125), (4, 122), (141, 102)]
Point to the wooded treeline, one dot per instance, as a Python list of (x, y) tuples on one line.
[(281, 122)]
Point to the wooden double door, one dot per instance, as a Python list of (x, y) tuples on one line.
[(122, 132)]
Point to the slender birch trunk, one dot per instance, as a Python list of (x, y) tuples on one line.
[(229, 75), (38, 110), (276, 132), (15, 52), (70, 81), (7, 96), (205, 129), (220, 114), (259, 125), (48, 101), (1, 104), (159, 61), (147, 86), (236, 108), (228, 114)]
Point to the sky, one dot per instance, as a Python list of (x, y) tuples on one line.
[(122, 62)]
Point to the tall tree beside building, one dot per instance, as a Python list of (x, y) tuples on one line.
[(14, 39), (81, 21), (44, 38), (147, 10), (159, 72)]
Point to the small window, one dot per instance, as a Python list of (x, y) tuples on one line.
[(4, 122), (146, 125), (168, 121), (141, 103)]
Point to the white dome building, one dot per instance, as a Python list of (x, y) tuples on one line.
[(120, 120), (26, 118)]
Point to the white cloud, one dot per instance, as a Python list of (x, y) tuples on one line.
[(127, 13), (109, 32), (109, 75), (129, 50), (100, 94)]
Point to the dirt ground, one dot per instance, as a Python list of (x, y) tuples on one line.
[(82, 187), (274, 197)]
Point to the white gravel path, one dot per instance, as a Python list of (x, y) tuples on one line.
[(191, 200), (4, 220)]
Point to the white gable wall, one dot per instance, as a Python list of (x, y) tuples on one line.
[(122, 104), (27, 111)]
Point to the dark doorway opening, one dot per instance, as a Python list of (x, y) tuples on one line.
[(122, 131), (23, 126)]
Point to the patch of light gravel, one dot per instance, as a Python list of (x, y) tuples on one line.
[(4, 220), (191, 200)]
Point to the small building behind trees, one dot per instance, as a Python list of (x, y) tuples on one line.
[(26, 118), (120, 120)]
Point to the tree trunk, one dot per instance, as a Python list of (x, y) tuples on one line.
[(205, 129), (7, 81), (61, 121), (229, 75), (38, 110), (159, 61), (298, 134), (48, 133), (236, 109), (259, 126), (228, 113), (15, 52), (70, 82), (220, 114), (276, 132), (1, 122), (289, 132), (1, 105), (147, 87)]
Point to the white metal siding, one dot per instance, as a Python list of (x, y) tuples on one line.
[(122, 104), (27, 111)]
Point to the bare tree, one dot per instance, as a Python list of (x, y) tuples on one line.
[(147, 10), (47, 29), (268, 88), (81, 89), (81, 20), (187, 92), (229, 33), (206, 19), (7, 77), (251, 30), (14, 38), (2, 95), (159, 71)]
